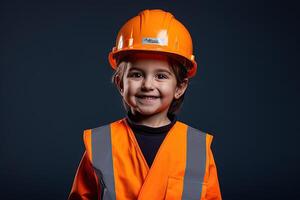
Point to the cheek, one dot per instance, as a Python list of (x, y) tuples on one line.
[(168, 90), (130, 87)]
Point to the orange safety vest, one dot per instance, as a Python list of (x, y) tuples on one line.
[(113, 166)]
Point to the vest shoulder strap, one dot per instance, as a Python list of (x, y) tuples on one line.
[(208, 136), (92, 135)]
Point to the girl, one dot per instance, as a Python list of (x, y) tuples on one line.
[(149, 155)]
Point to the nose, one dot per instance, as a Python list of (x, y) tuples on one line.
[(147, 83)]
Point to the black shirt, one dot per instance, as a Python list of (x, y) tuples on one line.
[(149, 138)]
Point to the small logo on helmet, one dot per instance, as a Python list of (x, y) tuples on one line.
[(160, 41)]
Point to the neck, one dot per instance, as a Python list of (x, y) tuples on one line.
[(156, 120)]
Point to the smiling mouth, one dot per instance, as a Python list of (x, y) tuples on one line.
[(147, 97)]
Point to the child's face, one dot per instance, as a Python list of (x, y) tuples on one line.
[(149, 86)]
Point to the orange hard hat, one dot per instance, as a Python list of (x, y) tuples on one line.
[(155, 31)]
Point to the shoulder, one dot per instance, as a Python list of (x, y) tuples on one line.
[(98, 134), (199, 133), (87, 133)]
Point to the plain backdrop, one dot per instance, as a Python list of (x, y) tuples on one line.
[(56, 81)]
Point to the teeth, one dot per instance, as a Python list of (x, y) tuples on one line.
[(146, 97)]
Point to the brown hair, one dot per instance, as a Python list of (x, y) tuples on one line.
[(179, 70)]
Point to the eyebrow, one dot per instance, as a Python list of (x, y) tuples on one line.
[(134, 68)]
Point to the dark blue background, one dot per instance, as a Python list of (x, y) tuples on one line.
[(55, 82)]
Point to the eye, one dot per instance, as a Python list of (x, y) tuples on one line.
[(135, 74), (161, 76)]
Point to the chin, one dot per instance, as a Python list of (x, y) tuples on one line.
[(146, 111)]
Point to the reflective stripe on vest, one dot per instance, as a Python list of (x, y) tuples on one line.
[(195, 162), (102, 159)]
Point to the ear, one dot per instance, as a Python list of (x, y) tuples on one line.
[(181, 88), (119, 85), (121, 91)]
